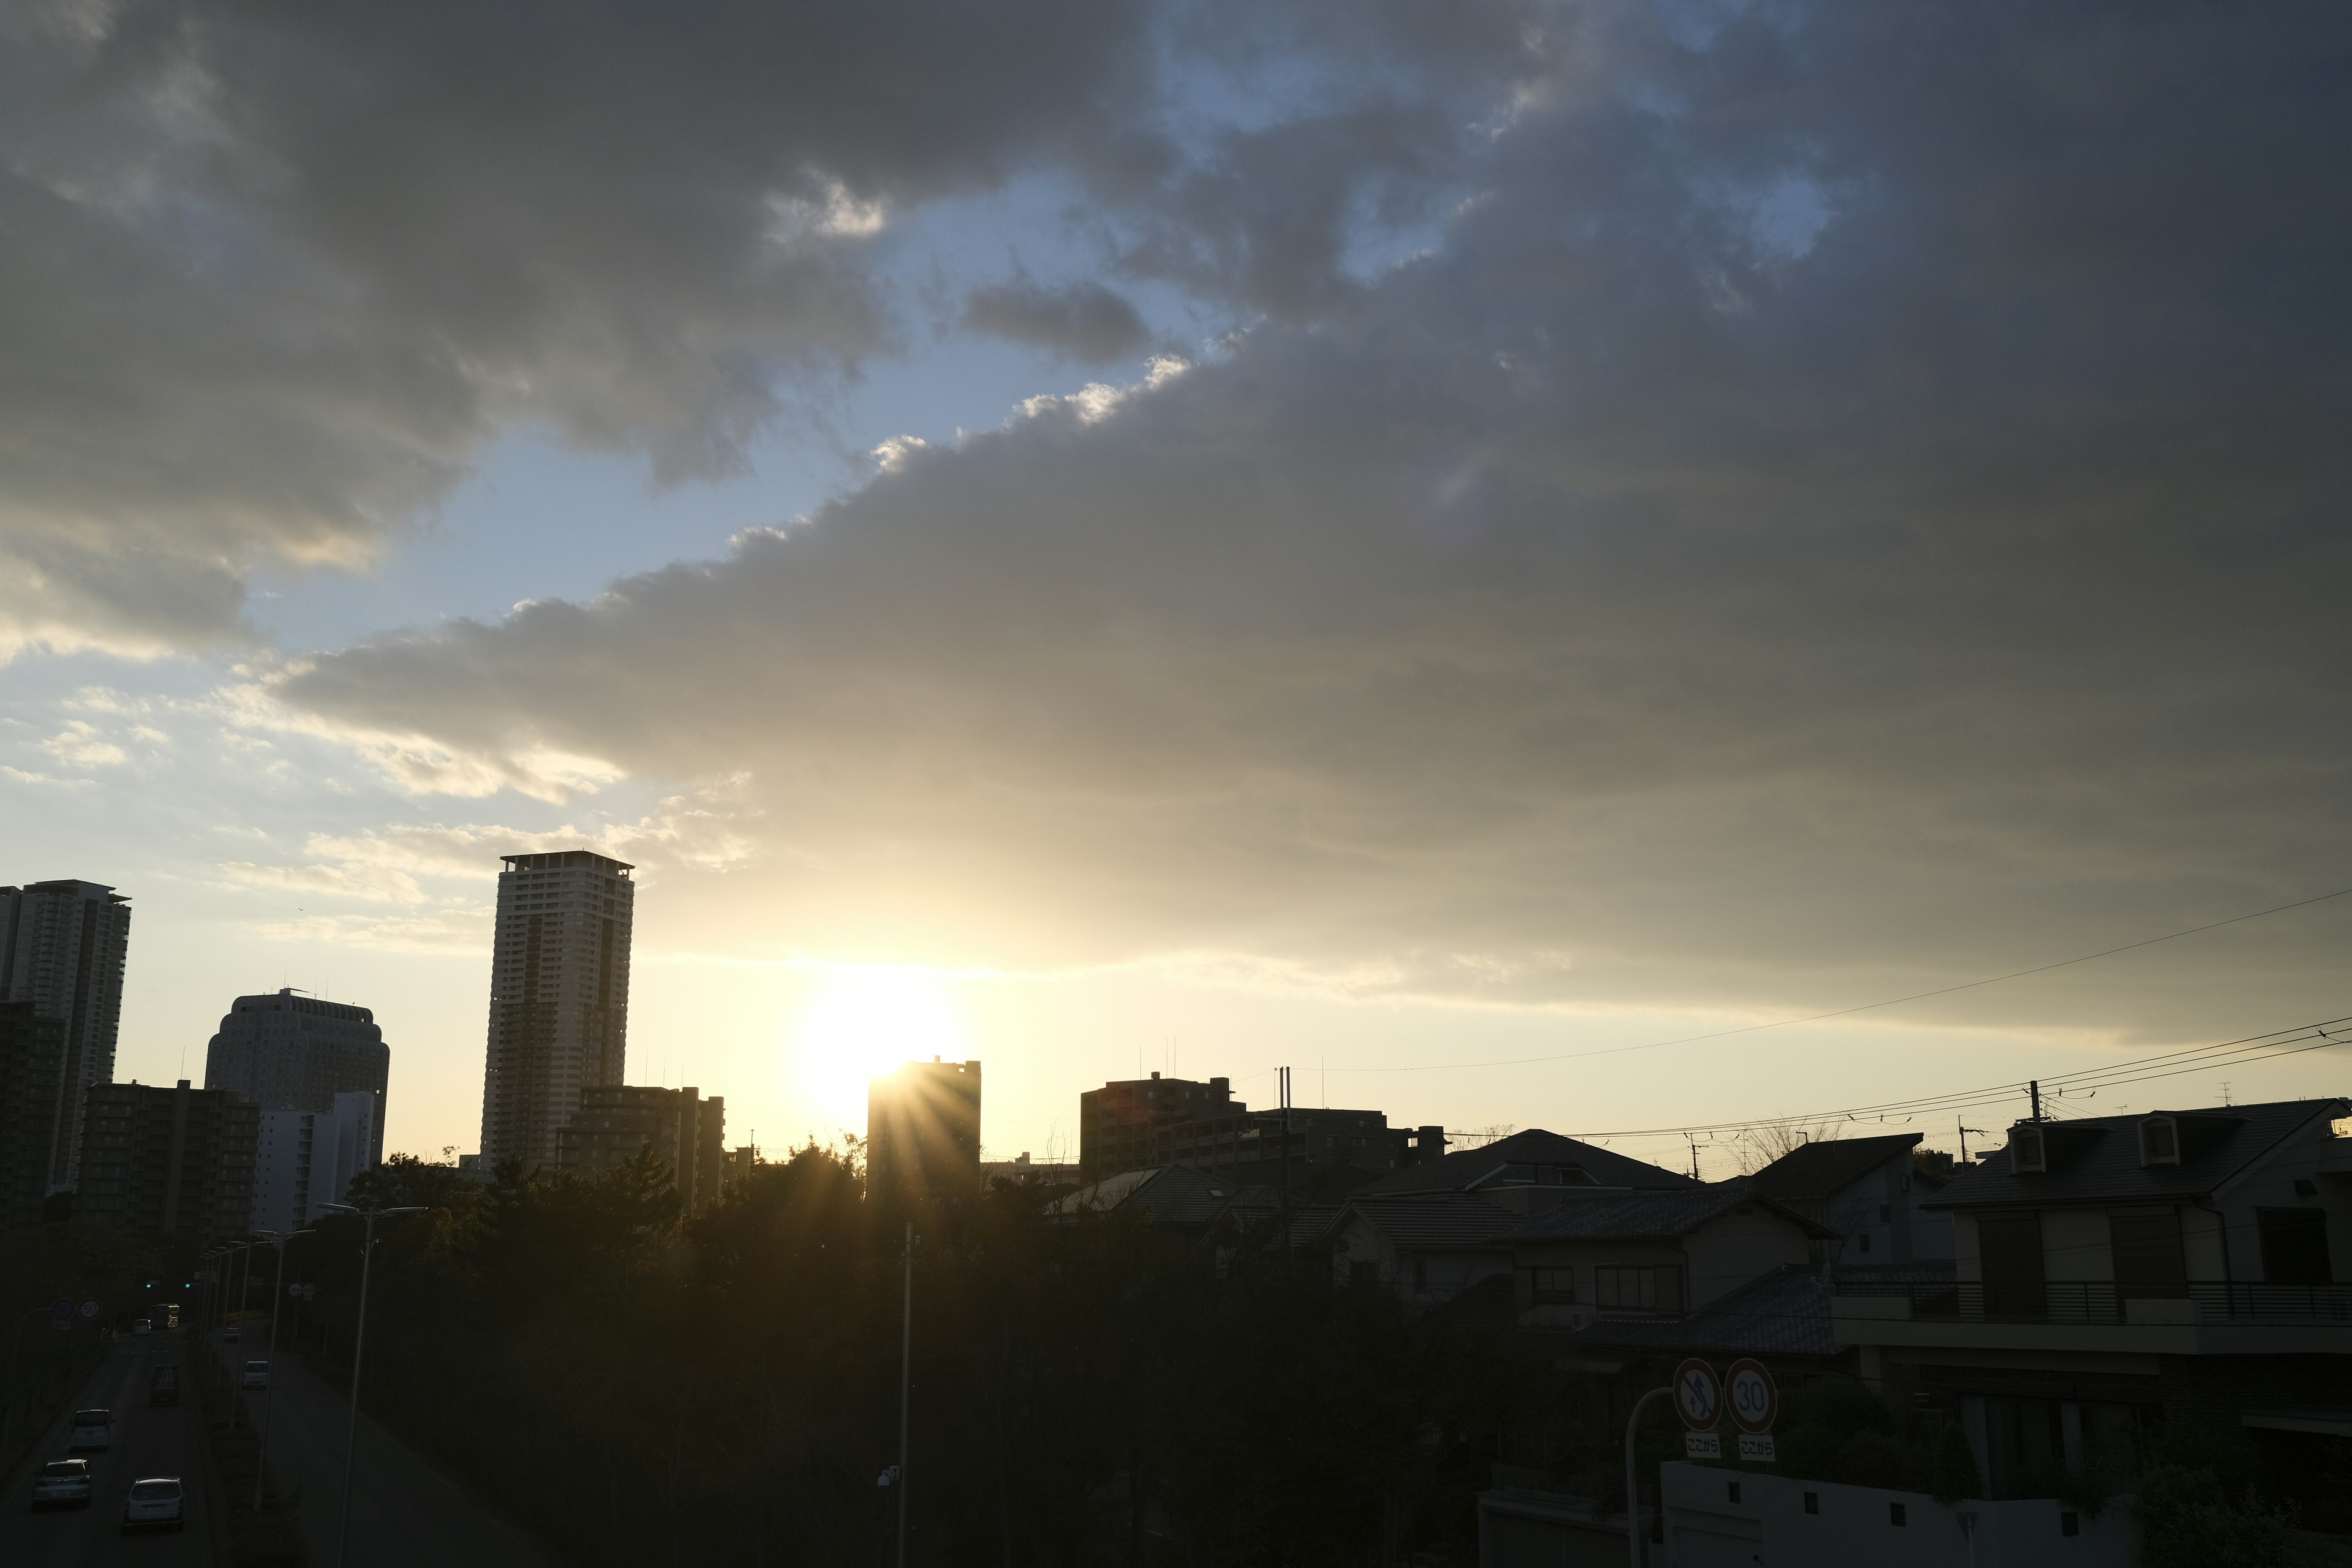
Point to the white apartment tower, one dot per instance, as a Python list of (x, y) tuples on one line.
[(558, 998), (62, 946), (286, 1051)]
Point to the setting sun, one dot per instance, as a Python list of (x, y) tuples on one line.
[(864, 1021)]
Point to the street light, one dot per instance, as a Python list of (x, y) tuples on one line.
[(270, 1389), (359, 1345)]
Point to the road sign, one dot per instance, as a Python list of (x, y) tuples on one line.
[(1755, 1398), (1757, 1447), (1702, 1445), (91, 1310), (62, 1311), (1698, 1394)]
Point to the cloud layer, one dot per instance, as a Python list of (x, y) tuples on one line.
[(1845, 483)]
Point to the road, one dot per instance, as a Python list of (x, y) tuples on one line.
[(405, 1511), (147, 1442)]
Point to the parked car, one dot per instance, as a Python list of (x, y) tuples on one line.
[(163, 1388), (153, 1504), (62, 1483), (257, 1374), (92, 1431), (144, 1326)]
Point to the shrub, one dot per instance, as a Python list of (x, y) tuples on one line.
[(2188, 1517), (1955, 1474)]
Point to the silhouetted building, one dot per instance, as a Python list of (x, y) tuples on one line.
[(1144, 1123), (558, 998), (617, 1121), (62, 946), (168, 1162), (289, 1052), (305, 1160), (32, 1065), (922, 1131)]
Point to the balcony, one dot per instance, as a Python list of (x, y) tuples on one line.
[(2097, 1302)]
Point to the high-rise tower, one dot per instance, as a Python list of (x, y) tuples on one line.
[(290, 1052), (61, 949), (558, 998)]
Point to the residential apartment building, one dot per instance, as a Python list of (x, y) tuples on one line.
[(172, 1164), (32, 1068), (922, 1131), (2116, 1269), (1142, 1123), (286, 1051), (617, 1122), (558, 998), (305, 1160), (62, 950)]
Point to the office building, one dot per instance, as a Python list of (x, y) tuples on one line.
[(32, 1065), (617, 1121), (558, 998), (291, 1052), (305, 1160), (172, 1164), (62, 946), (922, 1131)]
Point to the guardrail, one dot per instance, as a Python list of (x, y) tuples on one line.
[(2099, 1301)]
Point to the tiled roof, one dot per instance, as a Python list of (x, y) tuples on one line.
[(1635, 1217), (1456, 1172), (1827, 1166), (2097, 1160), (1166, 1195), (1436, 1219), (1785, 1312)]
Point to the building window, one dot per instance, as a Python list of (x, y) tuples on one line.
[(1657, 1288), (1885, 1212), (1554, 1287), (2149, 1260), (1865, 1241), (2026, 1154), (2160, 1142)]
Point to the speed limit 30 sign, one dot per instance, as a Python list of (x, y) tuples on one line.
[(1754, 1401)]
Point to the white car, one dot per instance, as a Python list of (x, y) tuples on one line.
[(62, 1483), (257, 1374), (153, 1504), (93, 1432)]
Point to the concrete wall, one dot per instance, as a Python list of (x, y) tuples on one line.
[(1708, 1527)]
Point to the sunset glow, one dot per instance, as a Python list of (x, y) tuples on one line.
[(863, 1022)]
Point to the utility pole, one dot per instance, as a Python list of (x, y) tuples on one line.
[(1286, 1170), (359, 1346), (906, 1387), (269, 1390), (2033, 1087)]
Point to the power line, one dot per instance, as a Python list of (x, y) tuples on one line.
[(1866, 1006)]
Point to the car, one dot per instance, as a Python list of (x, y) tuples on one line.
[(92, 1431), (257, 1374), (152, 1504), (62, 1483), (164, 1387), (144, 1326), (228, 1336)]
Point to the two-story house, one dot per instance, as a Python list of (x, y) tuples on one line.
[(2116, 1269), (1870, 1192)]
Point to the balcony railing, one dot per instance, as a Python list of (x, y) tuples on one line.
[(2099, 1301)]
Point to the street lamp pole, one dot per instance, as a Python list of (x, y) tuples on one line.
[(270, 1389), (359, 1344), (906, 1389)]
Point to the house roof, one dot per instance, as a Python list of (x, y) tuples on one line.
[(1652, 1216), (1164, 1194), (1459, 1171), (1785, 1312), (1433, 1219), (2096, 1159), (1827, 1166)]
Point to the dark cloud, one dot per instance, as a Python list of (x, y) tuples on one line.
[(1846, 484), (1083, 321)]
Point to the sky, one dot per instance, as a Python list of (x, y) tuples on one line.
[(1453, 548)]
